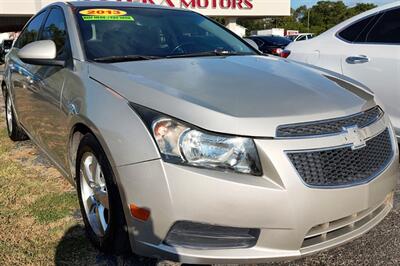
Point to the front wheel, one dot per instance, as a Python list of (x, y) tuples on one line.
[(15, 132), (99, 199)]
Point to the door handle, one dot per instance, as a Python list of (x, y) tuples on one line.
[(357, 59)]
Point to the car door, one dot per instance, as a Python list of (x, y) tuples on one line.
[(22, 74), (374, 59), (49, 83)]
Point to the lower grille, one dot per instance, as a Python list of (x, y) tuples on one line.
[(331, 230), (344, 166), (205, 236)]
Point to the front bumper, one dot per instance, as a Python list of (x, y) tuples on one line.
[(293, 219)]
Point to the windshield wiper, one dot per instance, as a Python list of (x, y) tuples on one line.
[(125, 58), (216, 52)]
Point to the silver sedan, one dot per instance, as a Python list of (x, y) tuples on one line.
[(185, 143)]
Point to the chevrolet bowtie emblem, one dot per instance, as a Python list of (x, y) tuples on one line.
[(355, 136)]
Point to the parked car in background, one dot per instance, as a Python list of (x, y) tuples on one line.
[(300, 37), (5, 47), (270, 44), (365, 48), (273, 31), (185, 143)]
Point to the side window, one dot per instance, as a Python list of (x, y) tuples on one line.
[(302, 38), (266, 41), (258, 42), (31, 31), (54, 29), (357, 32), (387, 29)]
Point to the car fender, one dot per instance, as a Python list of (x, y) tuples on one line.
[(120, 131)]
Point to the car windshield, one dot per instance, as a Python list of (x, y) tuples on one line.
[(292, 37), (112, 34)]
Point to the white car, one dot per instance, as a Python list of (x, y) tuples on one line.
[(300, 37), (365, 48)]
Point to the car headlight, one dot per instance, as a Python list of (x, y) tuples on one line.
[(181, 143)]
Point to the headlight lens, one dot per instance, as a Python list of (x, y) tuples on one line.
[(181, 143)]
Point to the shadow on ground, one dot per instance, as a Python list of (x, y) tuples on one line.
[(75, 249)]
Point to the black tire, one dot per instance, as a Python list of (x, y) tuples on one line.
[(115, 239), (15, 132)]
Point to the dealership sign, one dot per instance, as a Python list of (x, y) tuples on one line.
[(234, 8)]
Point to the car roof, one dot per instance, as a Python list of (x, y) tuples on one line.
[(120, 4)]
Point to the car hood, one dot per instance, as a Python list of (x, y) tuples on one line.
[(242, 95)]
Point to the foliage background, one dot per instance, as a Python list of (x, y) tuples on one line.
[(322, 16)]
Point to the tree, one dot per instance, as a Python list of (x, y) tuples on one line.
[(359, 8), (326, 14), (322, 16)]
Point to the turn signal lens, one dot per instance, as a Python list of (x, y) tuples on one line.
[(285, 53), (139, 213)]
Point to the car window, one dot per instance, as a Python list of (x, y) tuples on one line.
[(302, 38), (54, 29), (7, 44), (386, 29), (266, 40), (357, 31), (275, 40), (153, 32), (31, 31), (258, 42)]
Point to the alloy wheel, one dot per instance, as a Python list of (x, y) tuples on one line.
[(9, 114), (94, 194)]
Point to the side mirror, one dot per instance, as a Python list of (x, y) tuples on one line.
[(40, 53), (252, 43)]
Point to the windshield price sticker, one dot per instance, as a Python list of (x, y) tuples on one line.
[(113, 18), (102, 12)]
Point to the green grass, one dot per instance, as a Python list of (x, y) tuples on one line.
[(39, 224), (36, 211), (52, 207)]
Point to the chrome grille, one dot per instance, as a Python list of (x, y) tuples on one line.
[(332, 126), (344, 166)]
